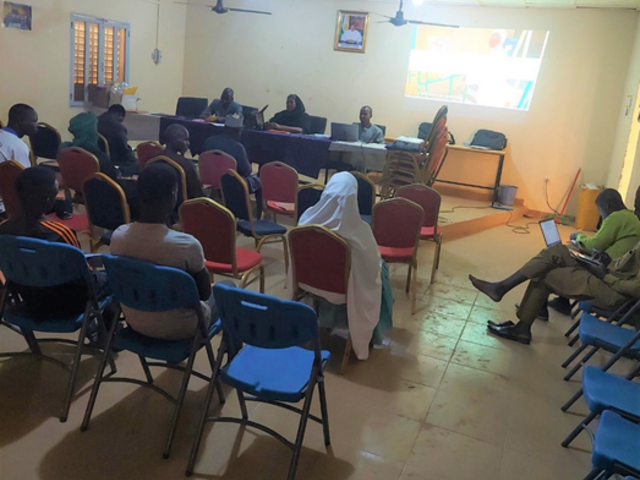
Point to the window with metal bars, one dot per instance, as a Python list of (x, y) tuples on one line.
[(99, 55)]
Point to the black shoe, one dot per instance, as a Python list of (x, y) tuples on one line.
[(508, 323), (561, 305), (511, 333), (543, 314)]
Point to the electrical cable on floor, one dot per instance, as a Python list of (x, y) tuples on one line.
[(546, 197), (519, 229), (445, 220)]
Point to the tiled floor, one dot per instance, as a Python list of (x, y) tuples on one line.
[(443, 401)]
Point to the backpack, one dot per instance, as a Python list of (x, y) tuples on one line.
[(424, 129), (489, 139)]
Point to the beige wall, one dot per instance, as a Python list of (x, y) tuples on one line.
[(35, 64), (572, 121)]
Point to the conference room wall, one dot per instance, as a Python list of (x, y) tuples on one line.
[(35, 64), (571, 123)]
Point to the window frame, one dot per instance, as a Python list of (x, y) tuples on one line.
[(102, 24)]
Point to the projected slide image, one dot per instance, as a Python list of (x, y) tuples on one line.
[(490, 67)]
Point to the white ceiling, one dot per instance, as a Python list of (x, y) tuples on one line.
[(611, 4)]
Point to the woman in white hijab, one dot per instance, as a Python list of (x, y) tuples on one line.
[(367, 307)]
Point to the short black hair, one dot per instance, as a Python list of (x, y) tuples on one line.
[(368, 108), (117, 109), (157, 183), (227, 90), (610, 200), (19, 111), (34, 181)]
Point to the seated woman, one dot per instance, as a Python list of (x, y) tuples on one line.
[(293, 120), (370, 301)]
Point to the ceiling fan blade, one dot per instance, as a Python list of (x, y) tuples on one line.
[(242, 10), (431, 24)]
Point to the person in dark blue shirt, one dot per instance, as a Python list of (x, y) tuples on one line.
[(223, 106)]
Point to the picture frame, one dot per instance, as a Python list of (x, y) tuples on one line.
[(16, 15), (351, 31)]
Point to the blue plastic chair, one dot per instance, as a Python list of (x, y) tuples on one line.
[(604, 391), (33, 263), (151, 288), (588, 307), (615, 449), (272, 367), (236, 199)]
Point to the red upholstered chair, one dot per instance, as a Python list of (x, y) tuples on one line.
[(320, 260), (279, 184), (9, 172), (215, 228), (396, 226), (430, 201), (212, 165), (148, 150), (182, 187)]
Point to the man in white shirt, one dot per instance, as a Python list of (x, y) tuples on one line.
[(150, 239), (23, 120), (351, 36)]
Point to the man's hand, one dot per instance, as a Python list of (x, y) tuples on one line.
[(602, 257)]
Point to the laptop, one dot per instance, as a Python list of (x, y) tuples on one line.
[(255, 119), (552, 237), (345, 132)]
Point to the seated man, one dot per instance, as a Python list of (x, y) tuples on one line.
[(369, 133), (229, 143), (555, 270), (619, 233), (110, 127), (223, 106), (176, 139), (151, 240), (37, 189)]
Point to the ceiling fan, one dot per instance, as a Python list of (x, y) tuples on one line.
[(399, 20), (220, 8)]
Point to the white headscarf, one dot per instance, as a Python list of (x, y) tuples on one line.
[(337, 210)]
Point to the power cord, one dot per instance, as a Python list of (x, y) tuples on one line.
[(519, 229), (546, 197)]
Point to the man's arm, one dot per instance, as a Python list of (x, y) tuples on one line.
[(603, 239), (207, 112), (203, 282), (244, 166), (194, 187)]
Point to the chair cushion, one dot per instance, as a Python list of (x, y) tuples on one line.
[(172, 351), (604, 391), (429, 232), (393, 254), (261, 227), (606, 335), (77, 222), (245, 260), (617, 441), (282, 207), (272, 374)]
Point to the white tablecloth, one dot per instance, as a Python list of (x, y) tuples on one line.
[(363, 156)]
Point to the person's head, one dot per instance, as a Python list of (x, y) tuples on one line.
[(352, 26), (158, 192), (292, 102), (36, 188), (227, 97), (366, 113), (609, 201), (84, 128), (118, 112), (23, 119), (339, 200), (233, 125), (176, 138)]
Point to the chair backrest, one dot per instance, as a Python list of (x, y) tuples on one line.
[(76, 165), (264, 321), (320, 258), (214, 226), (279, 182), (40, 264), (191, 107), (106, 202), (148, 150), (236, 195), (213, 164), (383, 128), (182, 184), (148, 287), (317, 124), (427, 198), (9, 172), (307, 197), (46, 142), (366, 193), (397, 223), (103, 144)]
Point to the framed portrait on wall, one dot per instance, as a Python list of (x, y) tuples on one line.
[(16, 15), (351, 31)]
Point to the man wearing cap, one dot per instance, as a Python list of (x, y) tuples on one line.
[(229, 143)]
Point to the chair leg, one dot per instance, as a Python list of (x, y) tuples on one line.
[(30, 338), (76, 364), (145, 367), (571, 401), (439, 243), (582, 362), (262, 279), (212, 363), (414, 288), (324, 410), (585, 423), (594, 474), (574, 355), (434, 268), (634, 373), (205, 414), (301, 429), (285, 247), (346, 356), (406, 288), (574, 340), (572, 329), (243, 405)]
